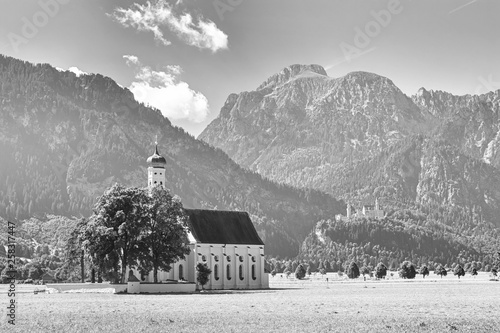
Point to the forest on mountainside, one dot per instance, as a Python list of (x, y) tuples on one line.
[(392, 241)]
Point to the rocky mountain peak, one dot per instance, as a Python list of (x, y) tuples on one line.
[(291, 72)]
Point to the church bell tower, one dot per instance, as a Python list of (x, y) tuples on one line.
[(156, 169)]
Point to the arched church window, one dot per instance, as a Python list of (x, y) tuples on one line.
[(253, 258), (228, 272), (216, 272), (241, 258), (155, 181), (216, 258), (203, 258), (181, 272), (161, 183), (254, 277), (241, 272), (228, 259)]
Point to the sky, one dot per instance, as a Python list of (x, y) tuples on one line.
[(185, 57)]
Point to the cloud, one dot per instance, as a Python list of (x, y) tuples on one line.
[(77, 71), (152, 17), (162, 90)]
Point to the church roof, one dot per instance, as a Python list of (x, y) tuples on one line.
[(222, 227)]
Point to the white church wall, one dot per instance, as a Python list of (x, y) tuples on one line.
[(229, 259)]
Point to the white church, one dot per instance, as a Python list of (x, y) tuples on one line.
[(225, 240)]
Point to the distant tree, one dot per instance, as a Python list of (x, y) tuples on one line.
[(496, 264), (353, 270), (440, 270), (424, 271), (312, 266), (365, 270), (308, 270), (494, 271), (326, 265), (407, 270), (459, 271), (300, 272), (473, 271), (203, 274), (273, 273), (322, 271), (164, 238), (380, 271)]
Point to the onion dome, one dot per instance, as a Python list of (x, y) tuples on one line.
[(156, 160)]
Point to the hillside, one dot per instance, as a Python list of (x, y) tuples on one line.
[(65, 138)]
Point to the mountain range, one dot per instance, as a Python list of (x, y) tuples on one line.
[(359, 137), (291, 153)]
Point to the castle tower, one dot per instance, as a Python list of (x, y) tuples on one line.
[(156, 169)]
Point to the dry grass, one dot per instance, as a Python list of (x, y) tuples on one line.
[(434, 305)]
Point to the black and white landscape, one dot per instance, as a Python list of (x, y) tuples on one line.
[(362, 139)]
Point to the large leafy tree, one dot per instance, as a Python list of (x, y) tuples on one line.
[(111, 237), (163, 238)]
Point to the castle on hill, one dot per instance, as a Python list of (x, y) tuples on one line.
[(366, 210), (226, 241)]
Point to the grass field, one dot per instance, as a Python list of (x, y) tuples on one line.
[(394, 305)]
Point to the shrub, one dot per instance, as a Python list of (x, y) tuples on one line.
[(203, 274)]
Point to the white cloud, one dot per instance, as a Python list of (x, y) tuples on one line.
[(77, 71), (203, 34), (162, 90)]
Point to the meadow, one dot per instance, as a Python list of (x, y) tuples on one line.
[(313, 305)]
